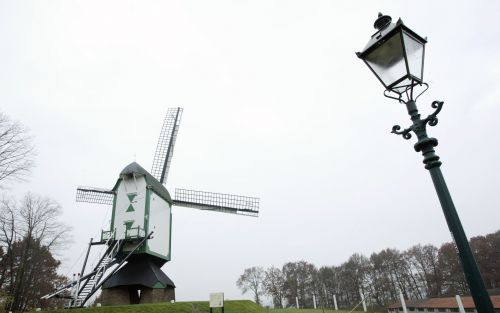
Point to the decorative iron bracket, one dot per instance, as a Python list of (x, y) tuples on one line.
[(432, 119), (405, 133), (424, 144), (419, 124)]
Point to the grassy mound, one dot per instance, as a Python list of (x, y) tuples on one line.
[(230, 306), (314, 311)]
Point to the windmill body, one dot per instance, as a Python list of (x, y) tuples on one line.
[(138, 241), (141, 204)]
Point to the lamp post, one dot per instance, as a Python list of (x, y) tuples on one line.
[(395, 54)]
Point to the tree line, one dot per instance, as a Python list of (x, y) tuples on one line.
[(420, 272), (30, 232)]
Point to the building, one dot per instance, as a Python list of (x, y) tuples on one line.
[(448, 304)]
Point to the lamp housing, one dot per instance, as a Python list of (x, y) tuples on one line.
[(395, 54)]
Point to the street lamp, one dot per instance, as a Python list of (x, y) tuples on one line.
[(395, 54)]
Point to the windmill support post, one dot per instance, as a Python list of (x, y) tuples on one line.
[(326, 296), (362, 299), (403, 303), (86, 257), (460, 304)]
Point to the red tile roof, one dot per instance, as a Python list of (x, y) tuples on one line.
[(449, 303)]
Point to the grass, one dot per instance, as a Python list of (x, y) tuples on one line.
[(230, 306), (311, 311)]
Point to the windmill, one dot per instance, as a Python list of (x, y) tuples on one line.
[(138, 241)]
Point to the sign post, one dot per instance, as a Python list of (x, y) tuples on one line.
[(217, 301)]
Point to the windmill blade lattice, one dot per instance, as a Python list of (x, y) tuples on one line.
[(165, 146), (220, 202), (94, 195)]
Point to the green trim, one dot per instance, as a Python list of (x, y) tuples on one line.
[(151, 187), (170, 236), (113, 212), (159, 285), (131, 197), (146, 211), (117, 184), (130, 208), (145, 247), (128, 225), (161, 256)]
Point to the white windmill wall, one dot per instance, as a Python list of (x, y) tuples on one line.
[(129, 186), (159, 222)]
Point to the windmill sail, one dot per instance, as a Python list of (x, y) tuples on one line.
[(220, 202), (165, 146), (94, 195)]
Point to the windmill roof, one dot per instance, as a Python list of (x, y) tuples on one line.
[(139, 272), (153, 183)]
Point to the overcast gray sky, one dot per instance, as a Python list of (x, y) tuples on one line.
[(276, 105)]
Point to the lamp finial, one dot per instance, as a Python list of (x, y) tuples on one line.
[(382, 21)]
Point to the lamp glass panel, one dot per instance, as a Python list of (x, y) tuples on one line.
[(415, 55), (387, 60)]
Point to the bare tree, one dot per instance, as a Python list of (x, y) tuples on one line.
[(454, 282), (425, 261), (30, 233), (486, 250), (8, 236), (299, 283), (252, 279), (16, 150), (274, 285), (39, 221)]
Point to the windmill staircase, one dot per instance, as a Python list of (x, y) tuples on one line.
[(84, 288)]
